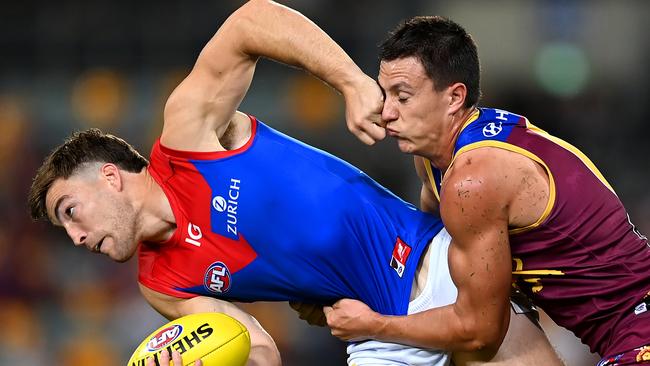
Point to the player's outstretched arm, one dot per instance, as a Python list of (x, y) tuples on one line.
[(263, 349), (207, 99), (474, 208)]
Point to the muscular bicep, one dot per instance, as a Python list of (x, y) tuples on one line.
[(480, 266), (208, 97), (474, 208)]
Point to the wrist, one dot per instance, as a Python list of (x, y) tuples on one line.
[(380, 324), (351, 80)]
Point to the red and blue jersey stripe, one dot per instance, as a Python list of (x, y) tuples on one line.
[(279, 220)]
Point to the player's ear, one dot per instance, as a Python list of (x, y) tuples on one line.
[(111, 174), (457, 93)]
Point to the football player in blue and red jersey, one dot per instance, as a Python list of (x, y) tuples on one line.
[(228, 209)]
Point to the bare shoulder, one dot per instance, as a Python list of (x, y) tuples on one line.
[(487, 166), (493, 181), (475, 188), (481, 170)]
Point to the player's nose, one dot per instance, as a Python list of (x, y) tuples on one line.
[(77, 235), (389, 112)]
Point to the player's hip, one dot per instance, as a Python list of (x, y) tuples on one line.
[(631, 335)]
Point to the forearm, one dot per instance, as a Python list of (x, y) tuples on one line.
[(263, 349), (440, 328), (266, 29)]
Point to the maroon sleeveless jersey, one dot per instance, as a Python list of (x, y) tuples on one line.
[(582, 262)]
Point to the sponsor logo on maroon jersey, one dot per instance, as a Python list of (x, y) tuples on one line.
[(644, 354), (492, 129)]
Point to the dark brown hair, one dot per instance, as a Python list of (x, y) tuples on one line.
[(82, 147), (447, 52)]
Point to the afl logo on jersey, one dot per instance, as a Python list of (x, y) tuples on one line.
[(217, 278), (491, 129)]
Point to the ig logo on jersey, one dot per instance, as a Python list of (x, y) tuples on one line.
[(217, 278), (491, 129)]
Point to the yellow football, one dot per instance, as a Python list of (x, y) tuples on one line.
[(215, 338)]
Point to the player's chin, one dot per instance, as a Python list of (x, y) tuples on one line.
[(120, 256), (120, 259), (405, 145)]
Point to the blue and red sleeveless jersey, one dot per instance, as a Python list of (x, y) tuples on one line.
[(583, 262), (278, 220)]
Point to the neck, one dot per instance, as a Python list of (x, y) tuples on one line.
[(443, 159), (154, 215)]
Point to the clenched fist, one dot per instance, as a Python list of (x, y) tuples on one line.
[(352, 320), (364, 102)]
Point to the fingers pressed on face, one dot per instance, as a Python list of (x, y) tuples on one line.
[(371, 133), (380, 122), (376, 131), (365, 138)]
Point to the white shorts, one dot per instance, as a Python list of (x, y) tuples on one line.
[(438, 291)]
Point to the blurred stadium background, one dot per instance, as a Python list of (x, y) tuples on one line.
[(576, 68)]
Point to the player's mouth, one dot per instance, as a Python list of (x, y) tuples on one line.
[(98, 247), (392, 133)]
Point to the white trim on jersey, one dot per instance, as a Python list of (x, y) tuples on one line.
[(438, 291)]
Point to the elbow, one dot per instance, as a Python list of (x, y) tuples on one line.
[(264, 352), (483, 341), (253, 8), (246, 21), (485, 347)]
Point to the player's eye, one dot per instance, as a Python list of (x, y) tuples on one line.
[(69, 212), (402, 98)]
